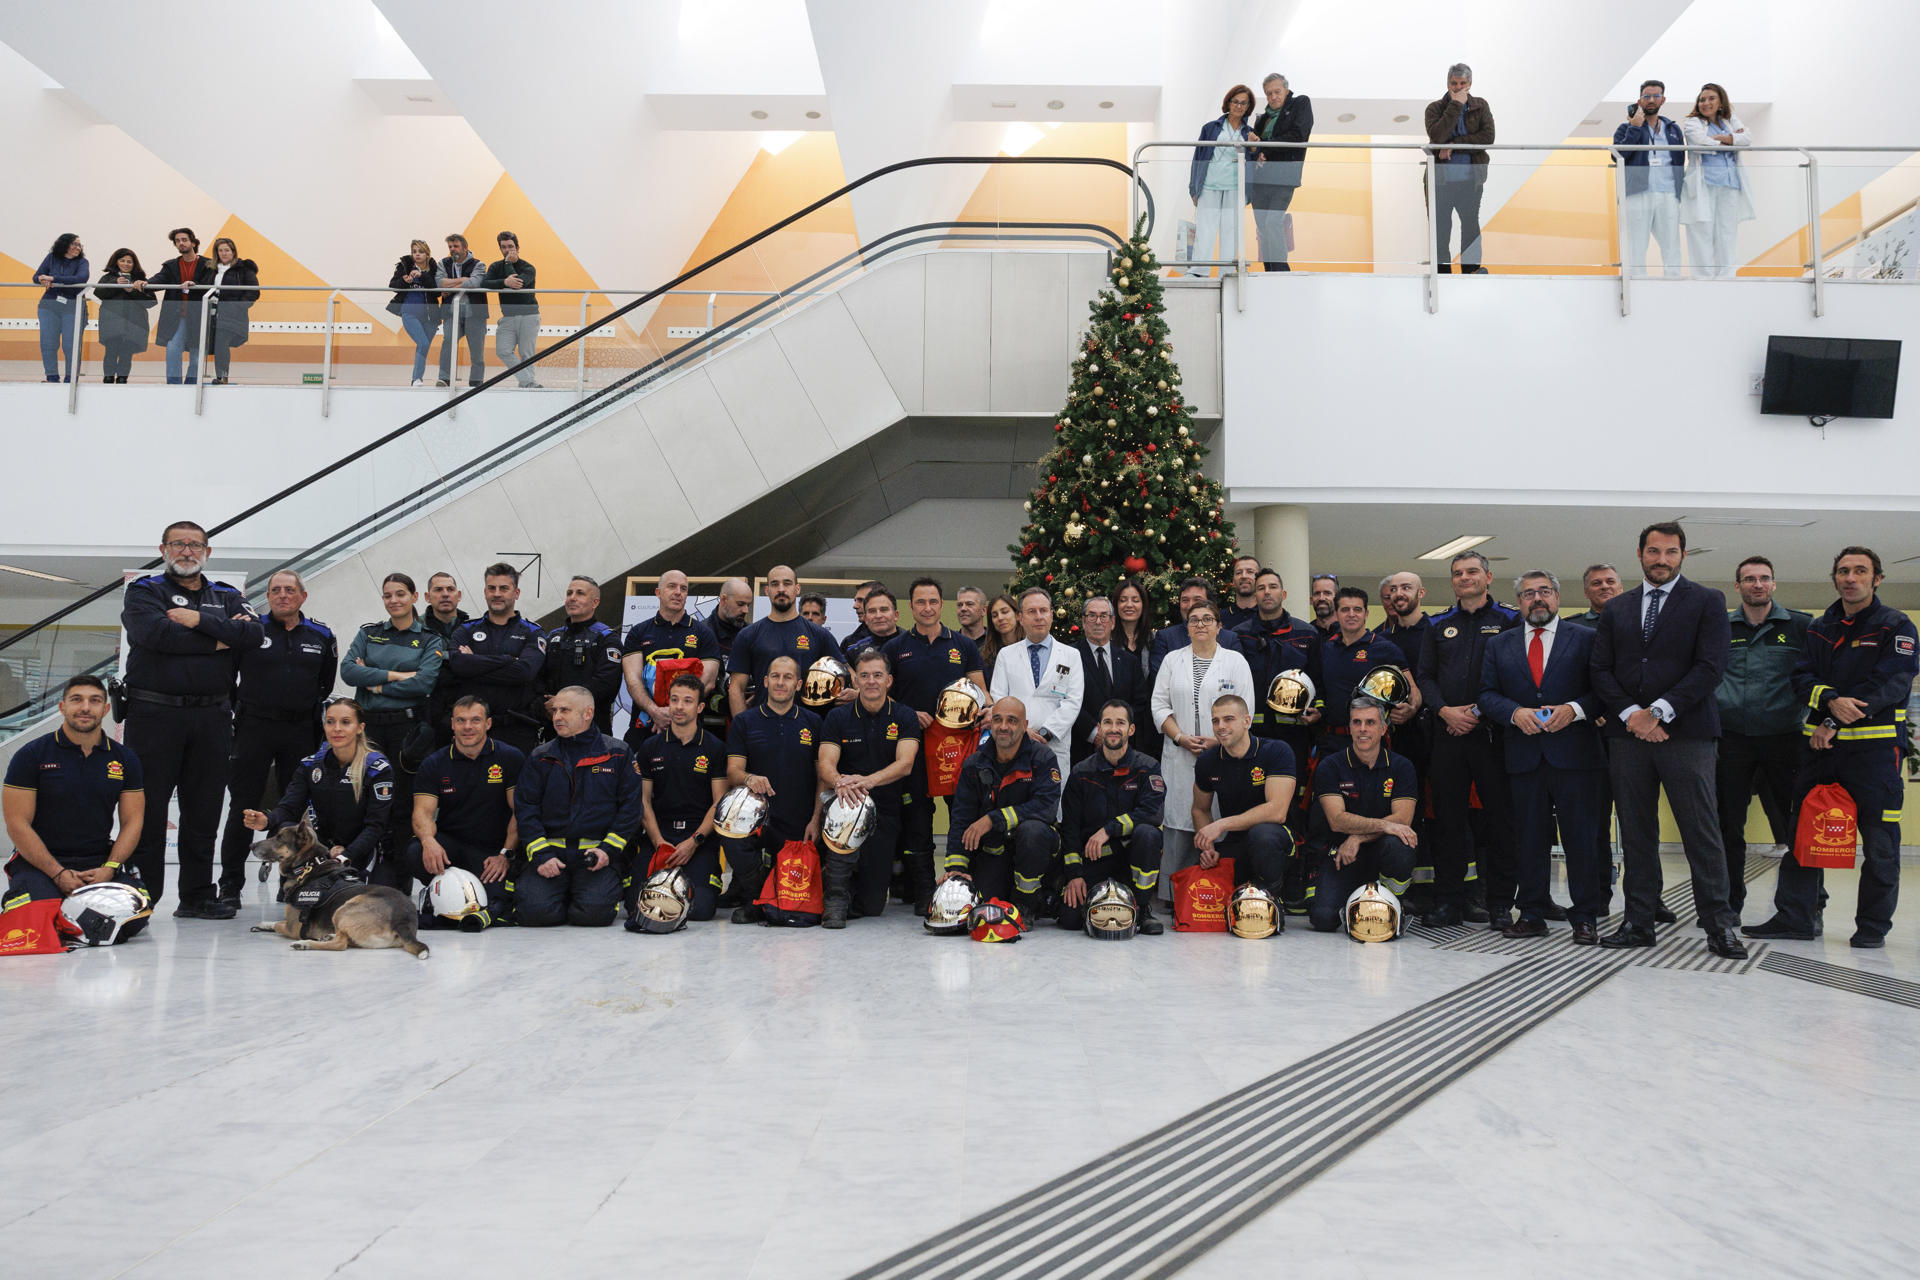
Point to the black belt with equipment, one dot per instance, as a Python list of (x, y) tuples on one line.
[(176, 700)]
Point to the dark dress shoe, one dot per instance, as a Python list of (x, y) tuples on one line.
[(1474, 913), (1555, 911), (1777, 928), (1497, 923), (1663, 916), (1627, 936), (1444, 916), (748, 914), (1866, 941), (1525, 928), (1585, 935), (1726, 944)]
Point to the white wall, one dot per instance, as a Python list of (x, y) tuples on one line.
[(1529, 391)]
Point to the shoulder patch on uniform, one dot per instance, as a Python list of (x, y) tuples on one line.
[(1156, 782), (1903, 644), (1055, 771), (377, 763), (383, 791)]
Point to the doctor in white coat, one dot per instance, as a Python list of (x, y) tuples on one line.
[(1183, 695), (1045, 674)]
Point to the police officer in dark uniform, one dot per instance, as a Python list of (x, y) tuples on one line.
[(1347, 653), (462, 811), (732, 612), (347, 786), (1110, 822), (1253, 779), (683, 774), (578, 810), (585, 652), (1001, 836), (772, 750), (1364, 798), (868, 749), (498, 659), (1855, 676), (185, 634), (276, 721), (63, 792), (783, 633), (926, 659), (1465, 756), (670, 634)]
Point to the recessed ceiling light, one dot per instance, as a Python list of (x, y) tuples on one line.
[(757, 114), (1054, 104), (35, 573), (1401, 119), (1464, 542), (1345, 117), (813, 115), (1107, 105)]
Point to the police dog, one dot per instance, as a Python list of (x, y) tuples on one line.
[(363, 915)]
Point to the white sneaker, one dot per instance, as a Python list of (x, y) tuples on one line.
[(418, 383)]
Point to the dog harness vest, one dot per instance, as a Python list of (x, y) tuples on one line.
[(320, 893)]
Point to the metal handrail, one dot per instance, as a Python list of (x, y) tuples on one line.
[(741, 246)]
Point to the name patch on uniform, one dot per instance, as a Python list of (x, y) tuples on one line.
[(496, 774), (116, 771)]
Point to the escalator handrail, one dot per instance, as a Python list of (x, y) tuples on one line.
[(447, 406)]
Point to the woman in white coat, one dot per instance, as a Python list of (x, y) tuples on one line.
[(1183, 693), (1714, 199)]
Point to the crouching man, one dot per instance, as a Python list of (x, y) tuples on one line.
[(1363, 798), (577, 808), (1110, 821), (1002, 837), (463, 808), (64, 792)]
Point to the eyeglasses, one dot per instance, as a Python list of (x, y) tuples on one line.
[(1204, 620), (185, 546), (1538, 593)]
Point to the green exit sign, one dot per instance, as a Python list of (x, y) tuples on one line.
[(309, 379)]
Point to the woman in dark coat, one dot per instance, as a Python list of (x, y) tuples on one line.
[(124, 303), (419, 312), (236, 280)]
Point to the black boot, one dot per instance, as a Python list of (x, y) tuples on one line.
[(837, 871), (1145, 923), (747, 879), (919, 881), (1029, 905)]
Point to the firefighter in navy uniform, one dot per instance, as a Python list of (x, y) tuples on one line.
[(1348, 652), (185, 634), (1273, 641), (1855, 675), (1001, 835), (346, 787), (683, 774), (577, 809), (773, 751), (1110, 822), (1364, 798), (1410, 729), (732, 613), (64, 791), (1254, 781), (868, 748), (276, 716), (498, 658), (462, 811), (585, 652), (1466, 755), (670, 634)]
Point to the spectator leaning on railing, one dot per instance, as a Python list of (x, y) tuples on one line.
[(417, 305), (1459, 118), (178, 329), (233, 301), (462, 274), (519, 328), (1275, 173), (65, 272), (1213, 182), (1715, 200), (124, 303), (1652, 182)]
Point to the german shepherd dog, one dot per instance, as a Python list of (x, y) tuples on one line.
[(362, 915)]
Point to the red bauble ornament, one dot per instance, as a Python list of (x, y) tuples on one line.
[(1049, 577), (1134, 564), (1052, 479), (1059, 426), (1152, 448)]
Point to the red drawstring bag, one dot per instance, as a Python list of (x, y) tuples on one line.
[(34, 929), (664, 672), (1828, 828), (1200, 897), (658, 862), (793, 895)]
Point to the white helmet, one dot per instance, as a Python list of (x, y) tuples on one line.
[(664, 902), (952, 903), (458, 895), (106, 913), (741, 814), (847, 824), (1373, 914), (1112, 914)]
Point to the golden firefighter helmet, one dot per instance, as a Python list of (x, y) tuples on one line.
[(826, 680), (1112, 914), (1387, 686), (741, 814), (959, 705), (1291, 694), (1253, 913), (664, 902), (1373, 914)]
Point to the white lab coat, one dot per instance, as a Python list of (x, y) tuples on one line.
[(1173, 696), (1055, 704), (1699, 202)]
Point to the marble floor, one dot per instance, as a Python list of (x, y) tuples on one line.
[(740, 1101)]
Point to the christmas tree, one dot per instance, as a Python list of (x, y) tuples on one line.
[(1120, 493)]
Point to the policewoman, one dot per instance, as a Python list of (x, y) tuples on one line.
[(346, 786), (392, 666), (284, 683)]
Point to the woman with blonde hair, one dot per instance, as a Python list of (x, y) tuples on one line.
[(346, 784), (236, 287), (416, 302)]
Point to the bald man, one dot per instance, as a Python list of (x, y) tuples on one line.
[(1001, 834), (670, 633)]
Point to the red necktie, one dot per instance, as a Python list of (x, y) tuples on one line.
[(1537, 658)]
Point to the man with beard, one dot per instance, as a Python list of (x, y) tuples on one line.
[(669, 633), (63, 793), (184, 636), (1244, 604), (1407, 625), (1536, 680), (1001, 837), (1320, 592), (783, 633), (1110, 822), (1658, 655)]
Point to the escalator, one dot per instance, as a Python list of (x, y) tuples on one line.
[(769, 430)]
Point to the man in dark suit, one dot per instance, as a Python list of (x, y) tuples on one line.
[(1658, 654), (1535, 678), (1112, 672)]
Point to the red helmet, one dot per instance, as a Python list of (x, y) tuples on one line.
[(996, 920)]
